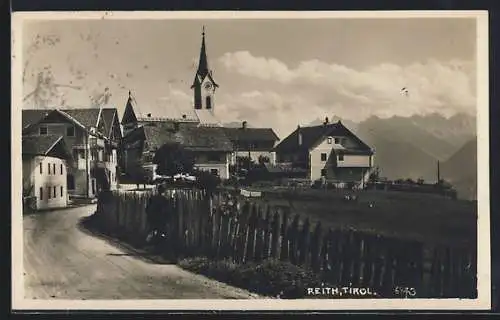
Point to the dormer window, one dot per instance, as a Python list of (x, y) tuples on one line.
[(43, 130), (337, 140), (329, 140)]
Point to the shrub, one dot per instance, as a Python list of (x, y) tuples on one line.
[(207, 181), (270, 277)]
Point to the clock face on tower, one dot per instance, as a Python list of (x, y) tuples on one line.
[(208, 86)]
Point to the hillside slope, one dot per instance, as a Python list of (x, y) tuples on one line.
[(461, 170)]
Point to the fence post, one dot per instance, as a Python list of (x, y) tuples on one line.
[(252, 223), (284, 235), (316, 248), (293, 236), (303, 244), (275, 235), (259, 234)]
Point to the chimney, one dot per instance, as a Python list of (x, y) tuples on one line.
[(244, 125), (299, 135), (326, 121)]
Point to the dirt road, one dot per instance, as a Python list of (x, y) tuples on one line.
[(63, 262)]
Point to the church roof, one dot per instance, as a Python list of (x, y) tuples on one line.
[(206, 118)]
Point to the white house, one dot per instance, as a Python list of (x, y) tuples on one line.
[(92, 135), (329, 150), (44, 170)]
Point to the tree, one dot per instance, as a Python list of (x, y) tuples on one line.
[(172, 159), (207, 181)]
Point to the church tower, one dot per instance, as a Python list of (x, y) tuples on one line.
[(204, 85)]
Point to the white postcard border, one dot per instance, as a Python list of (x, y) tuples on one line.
[(483, 302)]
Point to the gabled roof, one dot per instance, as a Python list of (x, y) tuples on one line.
[(82, 117), (86, 116), (315, 134), (129, 114), (45, 145), (33, 116), (191, 137), (251, 134), (107, 116)]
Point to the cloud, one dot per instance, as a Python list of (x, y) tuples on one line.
[(433, 86)]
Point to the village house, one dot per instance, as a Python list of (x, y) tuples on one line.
[(92, 135), (329, 150), (209, 146), (45, 161), (254, 143), (197, 128)]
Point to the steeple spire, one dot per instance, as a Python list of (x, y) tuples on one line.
[(203, 62)]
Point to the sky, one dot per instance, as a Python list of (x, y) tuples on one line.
[(271, 73)]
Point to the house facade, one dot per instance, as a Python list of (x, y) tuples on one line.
[(92, 135), (329, 150), (255, 143), (45, 160)]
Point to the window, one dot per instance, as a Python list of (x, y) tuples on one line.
[(337, 140), (61, 169), (48, 165), (209, 102), (41, 193), (41, 169), (341, 157), (215, 172), (62, 189), (323, 172), (329, 140), (323, 157), (54, 168), (70, 179), (70, 131), (75, 154), (48, 192), (55, 192), (43, 130), (93, 186)]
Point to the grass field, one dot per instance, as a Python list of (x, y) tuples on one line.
[(428, 218)]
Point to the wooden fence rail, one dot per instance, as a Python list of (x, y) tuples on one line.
[(224, 226)]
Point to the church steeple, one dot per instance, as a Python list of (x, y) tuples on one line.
[(203, 62), (203, 85)]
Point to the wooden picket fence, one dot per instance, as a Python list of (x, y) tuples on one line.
[(225, 226)]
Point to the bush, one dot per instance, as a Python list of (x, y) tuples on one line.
[(207, 181), (270, 277)]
